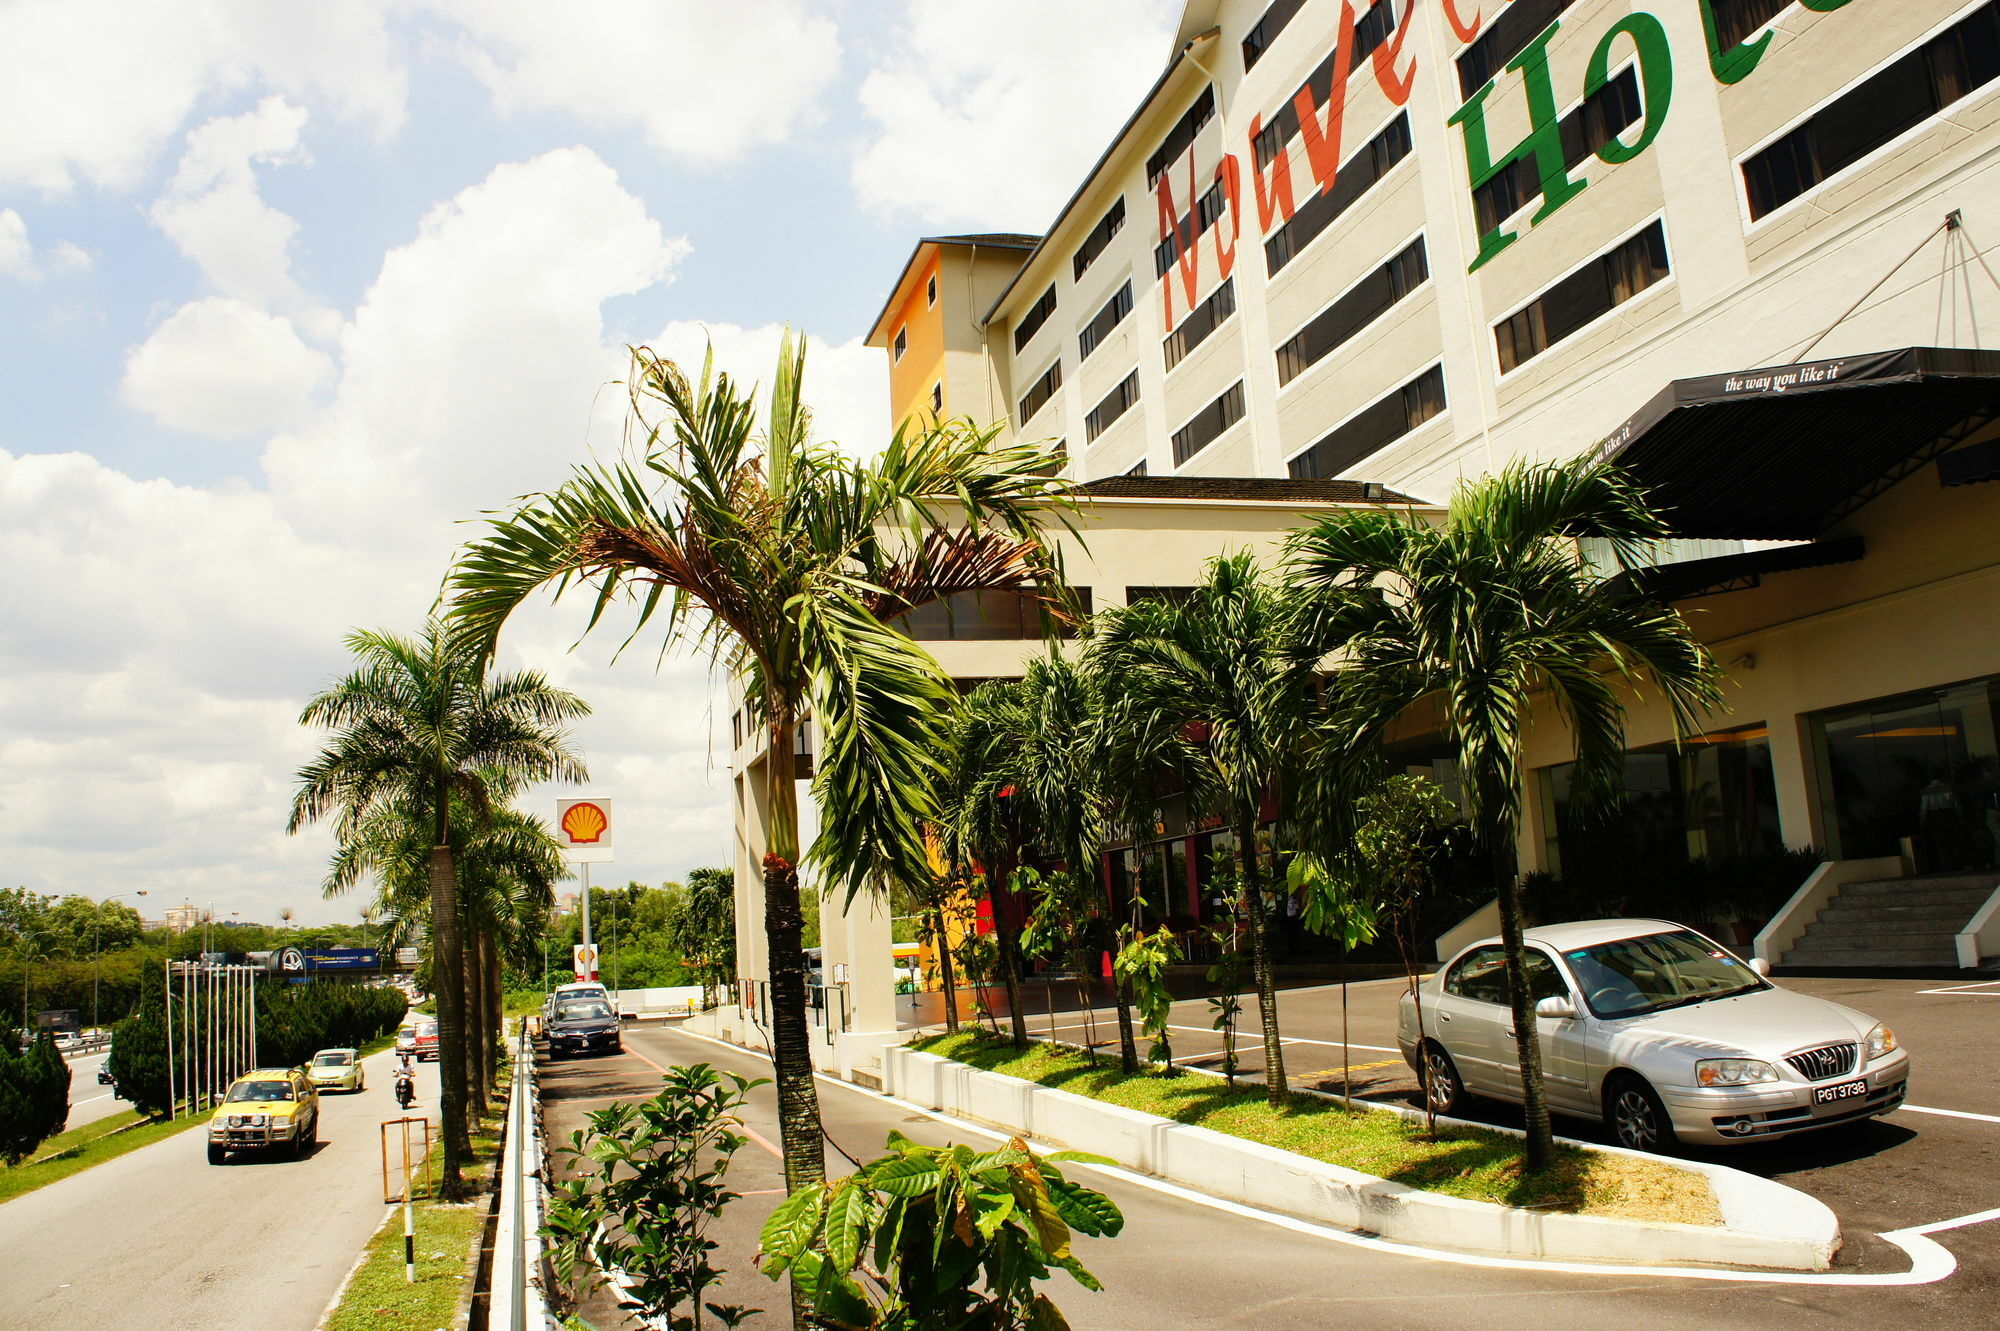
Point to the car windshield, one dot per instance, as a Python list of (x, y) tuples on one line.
[(591, 1011), (332, 1060), (427, 1031), (260, 1090), (1637, 975)]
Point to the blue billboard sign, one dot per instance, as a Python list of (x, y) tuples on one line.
[(343, 958)]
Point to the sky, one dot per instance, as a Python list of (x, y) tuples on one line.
[(291, 295)]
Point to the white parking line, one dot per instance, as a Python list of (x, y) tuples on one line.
[(1930, 1261), (1952, 1113), (1978, 989)]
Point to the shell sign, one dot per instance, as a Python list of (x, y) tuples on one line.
[(584, 828)]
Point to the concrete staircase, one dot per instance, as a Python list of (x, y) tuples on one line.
[(1896, 922)]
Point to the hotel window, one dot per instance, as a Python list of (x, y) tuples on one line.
[(1602, 117), (1115, 404), (1105, 320), (1041, 391), (1207, 209), (984, 616), (937, 398), (1100, 236), (1137, 469), (1737, 19), (1358, 175), (1517, 25), (1266, 29), (1209, 423), (1896, 98), (1204, 319), (1364, 302), (1374, 429), (901, 345), (1370, 30), (1180, 136), (1037, 315), (930, 292), (1171, 595), (1590, 292)]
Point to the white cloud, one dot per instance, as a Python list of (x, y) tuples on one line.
[(69, 257), (221, 368), (214, 213), (991, 114), (703, 81), (91, 94), (847, 386), (17, 256)]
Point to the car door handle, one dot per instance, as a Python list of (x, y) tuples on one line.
[(1444, 1016)]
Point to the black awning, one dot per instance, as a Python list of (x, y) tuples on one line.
[(1783, 452), (1968, 466), (1690, 578)]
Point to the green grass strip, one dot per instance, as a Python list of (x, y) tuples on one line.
[(378, 1298), (74, 1151), (1461, 1162)]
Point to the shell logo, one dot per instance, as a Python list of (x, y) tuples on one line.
[(584, 823)]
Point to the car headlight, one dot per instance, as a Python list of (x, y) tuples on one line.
[(1733, 1072), (259, 1120), (1881, 1040)]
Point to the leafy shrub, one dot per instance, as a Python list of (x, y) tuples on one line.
[(34, 1097), (295, 1021)]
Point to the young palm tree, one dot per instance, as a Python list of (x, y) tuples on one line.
[(1477, 616), (423, 735), (787, 560), (1227, 683)]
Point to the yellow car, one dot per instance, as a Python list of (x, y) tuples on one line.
[(337, 1070), (268, 1109)]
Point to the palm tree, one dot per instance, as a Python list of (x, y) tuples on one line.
[(1479, 615), (786, 560), (423, 735), (1225, 682), (1022, 778)]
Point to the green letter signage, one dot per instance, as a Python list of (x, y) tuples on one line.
[(1737, 63), (1656, 72), (1544, 141)]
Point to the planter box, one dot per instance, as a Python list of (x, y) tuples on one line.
[(1764, 1223)]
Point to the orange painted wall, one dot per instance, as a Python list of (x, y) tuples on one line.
[(922, 364)]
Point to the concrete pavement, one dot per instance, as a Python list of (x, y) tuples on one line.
[(163, 1240)]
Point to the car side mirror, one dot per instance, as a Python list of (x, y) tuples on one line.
[(1555, 1006), (1760, 967)]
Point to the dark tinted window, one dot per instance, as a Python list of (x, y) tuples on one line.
[(1506, 37), (1044, 388), (1737, 19), (583, 1010), (1180, 136), (1208, 423), (1171, 595), (1204, 319), (1100, 236), (982, 616), (1207, 209), (1037, 315), (1896, 98), (1370, 30), (1480, 975), (1374, 428), (1358, 175), (1602, 117), (1266, 29), (1105, 320), (1115, 404), (1593, 290), (1365, 302)]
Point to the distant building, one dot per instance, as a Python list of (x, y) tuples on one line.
[(180, 919), (566, 905)]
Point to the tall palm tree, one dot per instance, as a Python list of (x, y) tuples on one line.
[(1022, 779), (1479, 615), (1226, 682), (786, 560), (423, 734)]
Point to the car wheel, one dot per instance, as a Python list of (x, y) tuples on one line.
[(217, 1155), (1444, 1090), (1637, 1119)]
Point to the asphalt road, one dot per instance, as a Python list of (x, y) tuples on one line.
[(1187, 1262), (89, 1101), (162, 1239)]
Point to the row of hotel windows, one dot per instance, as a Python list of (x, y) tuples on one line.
[(1001, 616)]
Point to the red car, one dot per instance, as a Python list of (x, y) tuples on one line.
[(427, 1041)]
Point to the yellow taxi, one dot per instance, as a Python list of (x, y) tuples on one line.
[(267, 1109)]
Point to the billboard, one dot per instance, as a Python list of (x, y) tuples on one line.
[(583, 828), (342, 958)]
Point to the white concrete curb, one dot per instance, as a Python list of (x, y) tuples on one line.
[(1765, 1224)]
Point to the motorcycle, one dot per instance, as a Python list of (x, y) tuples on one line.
[(406, 1089)]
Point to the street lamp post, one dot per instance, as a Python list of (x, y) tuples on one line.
[(96, 932)]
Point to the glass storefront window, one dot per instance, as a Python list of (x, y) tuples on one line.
[(1917, 774), (1712, 798)]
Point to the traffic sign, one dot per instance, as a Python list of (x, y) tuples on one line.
[(583, 827), (585, 955)]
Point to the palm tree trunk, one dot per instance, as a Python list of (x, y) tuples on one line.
[(476, 1047), (1009, 938), (1128, 1043), (1521, 1003), (945, 975), (1277, 1090), (447, 972), (784, 934)]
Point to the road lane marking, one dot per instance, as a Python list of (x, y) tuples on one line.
[(748, 1131), (1968, 990), (1952, 1113), (1930, 1261), (93, 1099)]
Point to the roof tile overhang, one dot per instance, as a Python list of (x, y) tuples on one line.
[(1787, 451)]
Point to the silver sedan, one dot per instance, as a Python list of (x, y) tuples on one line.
[(1655, 1030)]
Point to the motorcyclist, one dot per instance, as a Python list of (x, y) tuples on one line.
[(406, 1084)]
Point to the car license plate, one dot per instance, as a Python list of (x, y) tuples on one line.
[(1846, 1090)]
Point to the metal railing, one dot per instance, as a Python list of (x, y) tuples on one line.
[(517, 1302)]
